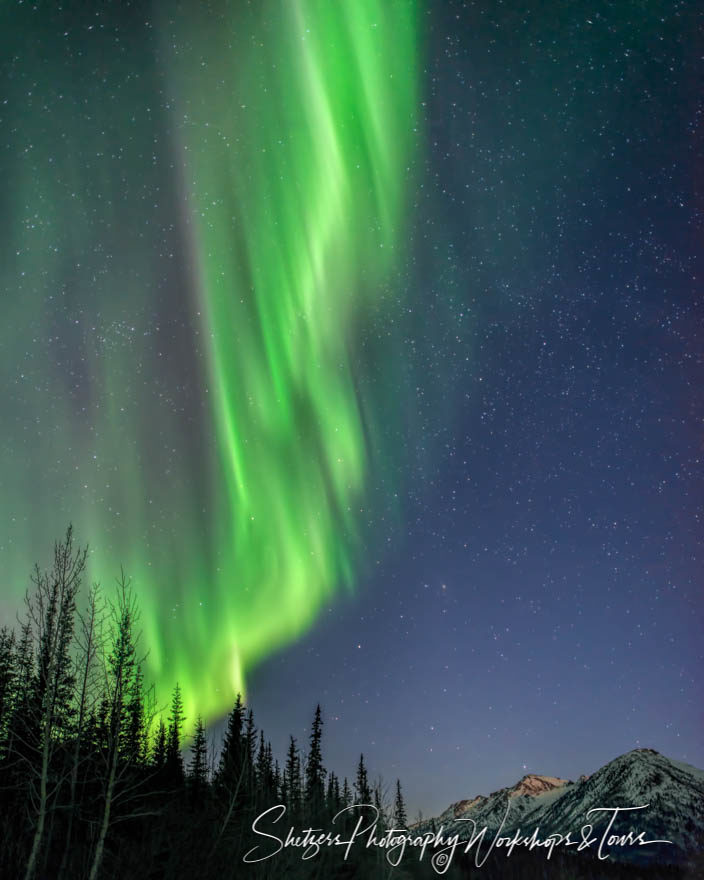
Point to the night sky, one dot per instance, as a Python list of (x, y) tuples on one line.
[(377, 363)]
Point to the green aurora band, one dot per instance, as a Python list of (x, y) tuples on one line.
[(293, 129)]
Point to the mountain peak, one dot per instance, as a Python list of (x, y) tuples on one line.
[(532, 784), (645, 752), (672, 791)]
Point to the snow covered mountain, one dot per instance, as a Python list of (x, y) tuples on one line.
[(673, 791)]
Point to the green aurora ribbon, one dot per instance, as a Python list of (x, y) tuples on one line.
[(293, 126)]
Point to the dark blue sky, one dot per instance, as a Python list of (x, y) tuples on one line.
[(537, 604)]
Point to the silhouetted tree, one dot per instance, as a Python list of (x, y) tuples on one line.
[(198, 770), (93, 717), (278, 782), (228, 776), (7, 679), (249, 744), (315, 772), (361, 785), (159, 750), (377, 799), (330, 801), (266, 784), (400, 817), (19, 722), (261, 762), (174, 760), (50, 611), (346, 793), (292, 779), (136, 734), (87, 692), (120, 668)]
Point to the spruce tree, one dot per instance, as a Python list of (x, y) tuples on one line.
[(278, 783), (174, 759), (292, 778), (315, 772), (250, 751), (332, 796), (198, 769), (330, 793), (260, 764), (362, 790), (24, 668), (270, 764), (346, 793), (266, 786), (135, 743), (159, 750), (7, 677), (269, 787), (228, 776), (400, 817)]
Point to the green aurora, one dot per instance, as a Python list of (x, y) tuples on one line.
[(201, 423)]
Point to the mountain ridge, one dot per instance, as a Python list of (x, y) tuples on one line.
[(672, 790)]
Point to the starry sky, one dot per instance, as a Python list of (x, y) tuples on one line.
[(371, 346)]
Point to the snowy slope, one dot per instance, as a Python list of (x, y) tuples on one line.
[(673, 790)]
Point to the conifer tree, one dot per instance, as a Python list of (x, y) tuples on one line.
[(362, 790), (278, 781), (135, 744), (198, 770), (400, 817), (229, 772), (229, 779), (24, 679), (330, 793), (174, 759), (250, 751), (271, 778), (159, 750), (292, 778), (346, 793), (101, 765), (266, 783), (332, 796), (261, 766), (7, 677), (315, 772), (19, 752)]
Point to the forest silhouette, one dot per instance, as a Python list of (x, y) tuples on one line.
[(98, 781)]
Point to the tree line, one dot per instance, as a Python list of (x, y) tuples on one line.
[(96, 783)]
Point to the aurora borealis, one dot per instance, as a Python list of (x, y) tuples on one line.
[(190, 382), (315, 181), (367, 337)]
